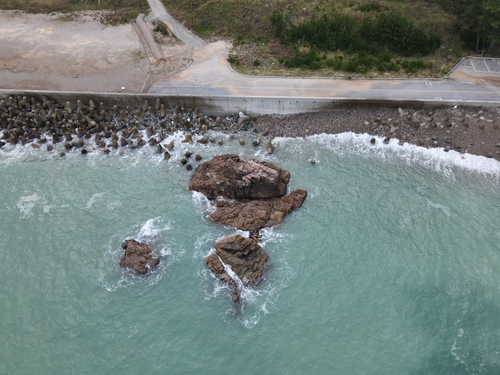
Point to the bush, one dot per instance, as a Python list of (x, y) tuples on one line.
[(327, 33), (369, 7), (308, 60), (233, 60), (399, 34), (412, 66), (339, 32), (388, 32), (161, 28)]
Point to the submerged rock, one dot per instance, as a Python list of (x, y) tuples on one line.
[(230, 177), (138, 257), (256, 214), (245, 257)]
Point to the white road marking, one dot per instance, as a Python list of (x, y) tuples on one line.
[(473, 67)]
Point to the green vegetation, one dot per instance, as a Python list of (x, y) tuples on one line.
[(233, 60), (122, 10), (368, 37), (161, 28), (367, 42), (477, 21)]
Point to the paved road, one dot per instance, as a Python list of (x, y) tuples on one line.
[(210, 75), (196, 82), (175, 26)]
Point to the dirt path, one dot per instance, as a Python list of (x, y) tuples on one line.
[(182, 33)]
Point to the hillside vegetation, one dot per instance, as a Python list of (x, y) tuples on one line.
[(339, 38)]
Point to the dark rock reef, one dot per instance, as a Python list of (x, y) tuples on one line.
[(253, 215), (246, 258), (229, 177), (138, 257)]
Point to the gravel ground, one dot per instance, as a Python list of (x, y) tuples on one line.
[(464, 129)]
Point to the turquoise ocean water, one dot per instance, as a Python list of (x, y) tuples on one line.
[(392, 265)]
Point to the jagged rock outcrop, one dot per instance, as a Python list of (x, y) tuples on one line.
[(253, 215), (249, 195), (138, 257), (229, 177), (246, 258)]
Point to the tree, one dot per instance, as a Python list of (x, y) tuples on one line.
[(480, 16)]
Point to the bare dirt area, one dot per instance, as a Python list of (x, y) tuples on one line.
[(77, 53)]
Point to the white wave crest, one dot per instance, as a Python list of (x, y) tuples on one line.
[(359, 144)]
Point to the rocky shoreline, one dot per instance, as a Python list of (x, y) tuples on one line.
[(463, 129), (91, 127)]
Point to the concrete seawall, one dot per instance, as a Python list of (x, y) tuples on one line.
[(220, 105)]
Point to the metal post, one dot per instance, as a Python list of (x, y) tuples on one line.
[(435, 61), (251, 45)]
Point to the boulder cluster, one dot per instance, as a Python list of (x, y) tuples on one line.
[(249, 195), (88, 127)]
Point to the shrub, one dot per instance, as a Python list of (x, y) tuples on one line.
[(369, 7), (233, 60), (399, 34), (412, 66), (308, 60), (161, 28)]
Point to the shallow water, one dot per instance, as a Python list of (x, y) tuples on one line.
[(390, 267)]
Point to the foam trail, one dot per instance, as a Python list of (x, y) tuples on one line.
[(445, 209), (93, 199), (26, 204)]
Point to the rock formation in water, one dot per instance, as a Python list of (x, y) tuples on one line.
[(257, 199), (253, 215), (138, 257), (229, 177), (244, 255)]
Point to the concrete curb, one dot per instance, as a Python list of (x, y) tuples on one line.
[(149, 38)]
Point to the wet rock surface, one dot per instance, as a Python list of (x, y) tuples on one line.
[(463, 129), (249, 195), (42, 123), (252, 215), (230, 177), (245, 257), (138, 257)]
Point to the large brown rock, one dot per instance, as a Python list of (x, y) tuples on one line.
[(244, 255), (230, 177), (253, 215), (138, 257)]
